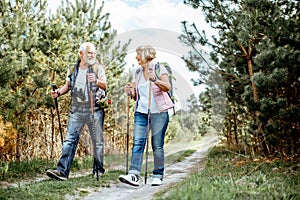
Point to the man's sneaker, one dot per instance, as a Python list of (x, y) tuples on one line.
[(156, 182), (100, 174), (130, 179), (55, 174)]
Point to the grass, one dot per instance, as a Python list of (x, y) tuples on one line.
[(226, 175), (79, 186), (170, 159), (179, 156), (52, 189), (229, 176), (15, 171)]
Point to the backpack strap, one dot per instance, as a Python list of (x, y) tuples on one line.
[(157, 69), (95, 69), (138, 73), (74, 72), (72, 75)]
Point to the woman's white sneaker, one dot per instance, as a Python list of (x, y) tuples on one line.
[(156, 182), (130, 179)]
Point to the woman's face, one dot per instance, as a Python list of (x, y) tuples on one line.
[(139, 58)]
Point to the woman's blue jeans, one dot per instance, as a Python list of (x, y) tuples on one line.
[(158, 125), (78, 117)]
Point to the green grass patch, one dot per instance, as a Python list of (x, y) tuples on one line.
[(230, 176), (53, 189), (169, 160), (179, 156), (14, 171)]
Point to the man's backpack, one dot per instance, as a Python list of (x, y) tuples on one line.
[(101, 95), (94, 69), (171, 78), (74, 70)]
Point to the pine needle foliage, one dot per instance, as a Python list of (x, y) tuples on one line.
[(37, 47), (257, 54)]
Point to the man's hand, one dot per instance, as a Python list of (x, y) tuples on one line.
[(91, 77), (55, 94)]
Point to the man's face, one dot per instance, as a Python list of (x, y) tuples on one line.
[(89, 56)]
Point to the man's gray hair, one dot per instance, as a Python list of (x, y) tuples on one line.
[(83, 46)]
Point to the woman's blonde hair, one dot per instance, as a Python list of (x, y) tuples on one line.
[(147, 53)]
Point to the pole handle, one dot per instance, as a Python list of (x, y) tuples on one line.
[(54, 87)]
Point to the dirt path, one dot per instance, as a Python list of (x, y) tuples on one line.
[(173, 174)]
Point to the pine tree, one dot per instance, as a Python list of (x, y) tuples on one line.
[(19, 38), (277, 77), (36, 50), (257, 51), (20, 79)]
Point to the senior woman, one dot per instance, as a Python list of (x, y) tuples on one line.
[(149, 89)]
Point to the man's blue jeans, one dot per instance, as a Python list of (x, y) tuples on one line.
[(158, 125), (78, 117)]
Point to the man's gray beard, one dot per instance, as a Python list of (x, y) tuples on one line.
[(89, 62)]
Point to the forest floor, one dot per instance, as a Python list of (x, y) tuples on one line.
[(173, 174)]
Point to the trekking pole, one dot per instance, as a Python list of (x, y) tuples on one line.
[(93, 122), (148, 124), (129, 94), (127, 135), (54, 87)]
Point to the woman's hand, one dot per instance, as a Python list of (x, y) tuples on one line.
[(128, 89), (151, 73)]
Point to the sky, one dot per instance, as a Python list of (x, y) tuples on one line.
[(127, 15), (162, 20), (155, 22)]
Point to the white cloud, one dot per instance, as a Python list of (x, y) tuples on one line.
[(136, 21), (162, 14), (126, 16)]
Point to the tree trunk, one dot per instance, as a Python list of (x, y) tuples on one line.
[(235, 129), (250, 70)]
